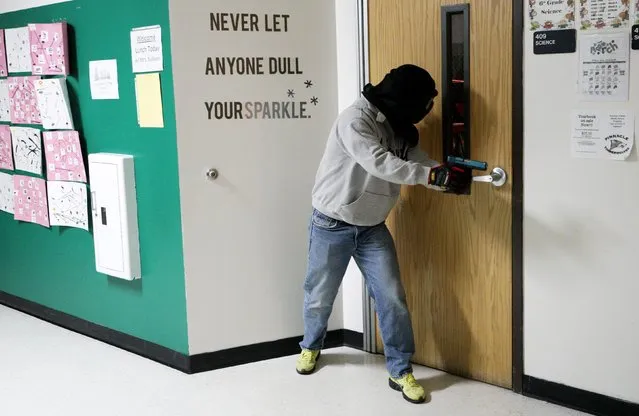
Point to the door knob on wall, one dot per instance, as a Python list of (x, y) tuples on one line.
[(498, 177), (212, 174)]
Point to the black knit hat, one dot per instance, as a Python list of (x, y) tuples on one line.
[(406, 92), (409, 84), (405, 97)]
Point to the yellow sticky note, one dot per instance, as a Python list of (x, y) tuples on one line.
[(149, 98)]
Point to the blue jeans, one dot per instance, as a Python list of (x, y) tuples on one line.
[(332, 244)]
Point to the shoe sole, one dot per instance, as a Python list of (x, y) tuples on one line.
[(397, 387), (312, 370)]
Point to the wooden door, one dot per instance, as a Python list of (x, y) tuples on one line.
[(455, 251)]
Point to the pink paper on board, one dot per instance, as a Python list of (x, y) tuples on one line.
[(30, 202), (49, 48), (23, 101), (64, 156), (6, 150), (3, 55)]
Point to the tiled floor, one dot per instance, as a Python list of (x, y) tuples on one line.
[(47, 371)]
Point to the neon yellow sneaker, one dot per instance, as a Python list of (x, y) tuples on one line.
[(410, 388), (307, 361)]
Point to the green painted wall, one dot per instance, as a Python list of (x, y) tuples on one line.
[(55, 267)]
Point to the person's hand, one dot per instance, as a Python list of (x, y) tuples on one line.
[(448, 178)]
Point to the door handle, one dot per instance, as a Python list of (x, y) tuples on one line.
[(94, 207), (498, 177)]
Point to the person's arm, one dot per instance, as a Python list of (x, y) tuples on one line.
[(416, 154), (361, 143)]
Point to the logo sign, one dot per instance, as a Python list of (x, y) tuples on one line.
[(554, 41), (617, 144)]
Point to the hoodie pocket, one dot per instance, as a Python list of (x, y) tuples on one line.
[(369, 209)]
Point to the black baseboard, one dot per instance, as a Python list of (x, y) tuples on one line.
[(258, 352), (187, 364), (584, 401), (353, 339)]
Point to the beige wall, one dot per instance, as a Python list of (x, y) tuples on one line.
[(580, 240), (246, 234)]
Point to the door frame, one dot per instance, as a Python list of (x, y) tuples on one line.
[(517, 228), (368, 305)]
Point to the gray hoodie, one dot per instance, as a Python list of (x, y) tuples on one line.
[(359, 177)]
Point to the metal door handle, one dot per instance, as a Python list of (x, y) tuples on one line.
[(94, 207), (498, 177), (212, 174)]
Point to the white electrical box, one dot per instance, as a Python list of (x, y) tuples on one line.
[(115, 215)]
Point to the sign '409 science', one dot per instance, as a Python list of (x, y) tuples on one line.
[(555, 41), (553, 23), (635, 33), (284, 75)]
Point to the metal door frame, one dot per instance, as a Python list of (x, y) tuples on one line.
[(368, 305)]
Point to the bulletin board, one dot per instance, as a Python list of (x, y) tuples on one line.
[(49, 265)]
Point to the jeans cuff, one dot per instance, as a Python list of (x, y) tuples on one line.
[(403, 373)]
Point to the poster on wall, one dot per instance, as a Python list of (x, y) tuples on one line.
[(49, 48), (27, 149), (604, 14), (146, 49), (148, 96), (6, 149), (17, 44), (5, 103), (3, 56), (54, 104), (551, 14), (68, 206), (30, 200), (63, 154), (104, 80), (599, 134), (6, 192), (23, 100), (604, 69)]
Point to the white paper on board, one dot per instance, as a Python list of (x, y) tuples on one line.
[(54, 104), (104, 80), (68, 206), (600, 134), (27, 149), (146, 49), (5, 103), (6, 193), (604, 71), (18, 50)]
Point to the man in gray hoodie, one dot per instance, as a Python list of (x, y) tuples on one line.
[(372, 150)]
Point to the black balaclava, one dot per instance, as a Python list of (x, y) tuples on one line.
[(405, 97)]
